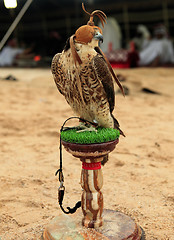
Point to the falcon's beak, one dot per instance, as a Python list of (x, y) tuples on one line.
[(99, 37)]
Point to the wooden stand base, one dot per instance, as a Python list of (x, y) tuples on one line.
[(117, 226)]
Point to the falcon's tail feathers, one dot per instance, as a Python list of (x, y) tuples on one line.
[(117, 126)]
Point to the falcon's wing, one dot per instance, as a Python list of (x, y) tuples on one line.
[(103, 74), (58, 73)]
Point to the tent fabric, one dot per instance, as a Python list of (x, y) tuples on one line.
[(111, 34)]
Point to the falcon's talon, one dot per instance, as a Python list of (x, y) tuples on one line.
[(86, 127)]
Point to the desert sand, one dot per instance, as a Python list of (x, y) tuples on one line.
[(138, 178)]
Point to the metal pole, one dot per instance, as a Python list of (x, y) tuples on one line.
[(14, 24), (126, 22), (165, 14)]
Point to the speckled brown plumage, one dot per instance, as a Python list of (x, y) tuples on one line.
[(96, 83), (84, 76)]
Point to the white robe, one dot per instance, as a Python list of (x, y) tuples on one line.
[(161, 48), (8, 54)]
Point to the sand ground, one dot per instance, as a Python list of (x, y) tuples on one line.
[(138, 179)]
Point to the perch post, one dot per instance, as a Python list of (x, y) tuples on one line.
[(91, 156)]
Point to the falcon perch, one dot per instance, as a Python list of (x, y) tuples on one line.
[(84, 76)]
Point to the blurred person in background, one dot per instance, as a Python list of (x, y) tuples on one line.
[(159, 51), (142, 37), (11, 52)]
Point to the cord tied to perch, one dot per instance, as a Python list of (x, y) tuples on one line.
[(61, 189)]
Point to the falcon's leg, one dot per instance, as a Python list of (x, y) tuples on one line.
[(83, 127)]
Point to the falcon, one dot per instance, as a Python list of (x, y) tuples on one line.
[(84, 76)]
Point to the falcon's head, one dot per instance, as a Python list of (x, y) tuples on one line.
[(88, 34)]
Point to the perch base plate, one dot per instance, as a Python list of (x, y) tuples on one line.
[(117, 226)]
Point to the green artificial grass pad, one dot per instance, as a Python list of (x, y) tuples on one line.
[(102, 135)]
